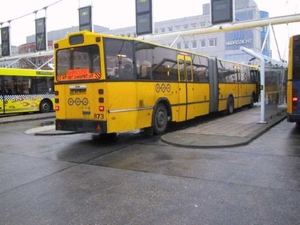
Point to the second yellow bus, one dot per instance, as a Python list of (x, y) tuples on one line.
[(26, 90)]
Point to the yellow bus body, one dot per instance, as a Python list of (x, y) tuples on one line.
[(108, 104), (293, 80), (289, 94), (241, 94), (128, 113)]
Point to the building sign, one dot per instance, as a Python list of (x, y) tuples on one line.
[(40, 34), (143, 15), (239, 42), (221, 11), (143, 6), (5, 41), (85, 18)]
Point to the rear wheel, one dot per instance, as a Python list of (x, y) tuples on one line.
[(45, 106), (251, 102), (160, 118), (230, 105)]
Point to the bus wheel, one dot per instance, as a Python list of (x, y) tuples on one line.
[(160, 119), (251, 102), (230, 105), (45, 106)]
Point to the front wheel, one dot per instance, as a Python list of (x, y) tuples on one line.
[(160, 119), (230, 105)]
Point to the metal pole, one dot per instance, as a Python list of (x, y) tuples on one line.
[(174, 41), (46, 33), (276, 43), (266, 38), (262, 82), (233, 11), (35, 18), (9, 28), (226, 27), (92, 16)]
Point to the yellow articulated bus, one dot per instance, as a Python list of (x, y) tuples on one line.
[(26, 90), (107, 84)]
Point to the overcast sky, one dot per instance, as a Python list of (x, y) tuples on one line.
[(121, 13)]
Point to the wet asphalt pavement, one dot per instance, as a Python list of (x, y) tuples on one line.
[(78, 179)]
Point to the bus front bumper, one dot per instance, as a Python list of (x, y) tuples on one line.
[(86, 126)]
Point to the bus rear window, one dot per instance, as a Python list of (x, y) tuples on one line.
[(79, 63)]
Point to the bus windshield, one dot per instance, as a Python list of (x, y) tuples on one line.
[(80, 63)]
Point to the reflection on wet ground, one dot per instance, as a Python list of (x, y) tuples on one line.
[(80, 177)]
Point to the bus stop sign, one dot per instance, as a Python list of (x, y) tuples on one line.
[(221, 11), (143, 16), (85, 18), (5, 41)]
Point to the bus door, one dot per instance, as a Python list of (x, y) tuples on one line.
[(255, 78), (186, 87)]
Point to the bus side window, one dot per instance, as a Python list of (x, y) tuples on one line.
[(8, 91), (159, 72), (42, 85), (7, 86), (200, 76), (25, 85), (16, 89), (143, 69), (50, 85), (119, 53), (144, 72), (127, 72)]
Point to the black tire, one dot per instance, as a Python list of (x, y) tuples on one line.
[(230, 105), (160, 119), (251, 102), (45, 106)]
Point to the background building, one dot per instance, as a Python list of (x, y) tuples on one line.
[(38, 62), (224, 45), (62, 33), (10, 63), (45, 62)]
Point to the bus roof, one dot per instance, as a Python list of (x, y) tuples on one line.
[(25, 72), (93, 34)]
